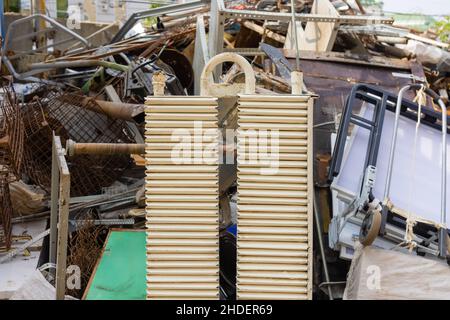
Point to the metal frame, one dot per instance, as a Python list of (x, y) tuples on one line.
[(392, 231), (219, 14), (370, 95), (442, 231), (59, 215), (374, 95), (15, 25)]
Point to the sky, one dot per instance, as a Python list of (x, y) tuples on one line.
[(429, 7)]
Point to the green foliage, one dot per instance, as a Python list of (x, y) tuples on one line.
[(148, 22), (12, 5), (442, 28), (61, 7)]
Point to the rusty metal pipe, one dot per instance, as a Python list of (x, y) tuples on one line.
[(119, 110), (75, 148)]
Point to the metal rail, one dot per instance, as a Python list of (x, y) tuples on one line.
[(156, 12)]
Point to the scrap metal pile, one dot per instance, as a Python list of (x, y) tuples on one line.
[(63, 86)]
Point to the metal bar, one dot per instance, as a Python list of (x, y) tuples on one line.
[(104, 222), (215, 34), (394, 142), (27, 244), (155, 12), (294, 34), (443, 237), (2, 20), (321, 246), (267, 15), (94, 34), (75, 148), (32, 34)]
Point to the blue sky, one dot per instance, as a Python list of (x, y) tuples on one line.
[(430, 7)]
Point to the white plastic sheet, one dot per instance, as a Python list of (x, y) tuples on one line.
[(415, 187)]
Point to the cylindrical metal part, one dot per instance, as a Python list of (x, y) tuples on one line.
[(119, 110), (74, 148)]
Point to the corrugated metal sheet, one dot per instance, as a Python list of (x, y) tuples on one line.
[(275, 207), (182, 199)]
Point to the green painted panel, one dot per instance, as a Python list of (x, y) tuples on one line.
[(121, 272)]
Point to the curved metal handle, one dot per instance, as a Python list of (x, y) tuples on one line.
[(208, 88)]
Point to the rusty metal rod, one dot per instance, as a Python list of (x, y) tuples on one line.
[(75, 148)]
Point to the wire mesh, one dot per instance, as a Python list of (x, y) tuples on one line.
[(5, 216), (11, 154), (85, 247), (68, 115)]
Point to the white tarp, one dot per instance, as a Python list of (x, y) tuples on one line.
[(378, 274), (36, 287)]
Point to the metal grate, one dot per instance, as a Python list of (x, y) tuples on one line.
[(70, 118), (274, 246), (182, 199)]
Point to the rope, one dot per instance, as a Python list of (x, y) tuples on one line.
[(411, 220)]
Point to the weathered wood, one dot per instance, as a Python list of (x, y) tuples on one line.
[(263, 31)]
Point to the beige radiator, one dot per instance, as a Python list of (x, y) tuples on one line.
[(182, 198), (274, 198)]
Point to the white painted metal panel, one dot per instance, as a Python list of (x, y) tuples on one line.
[(274, 197), (182, 198)]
